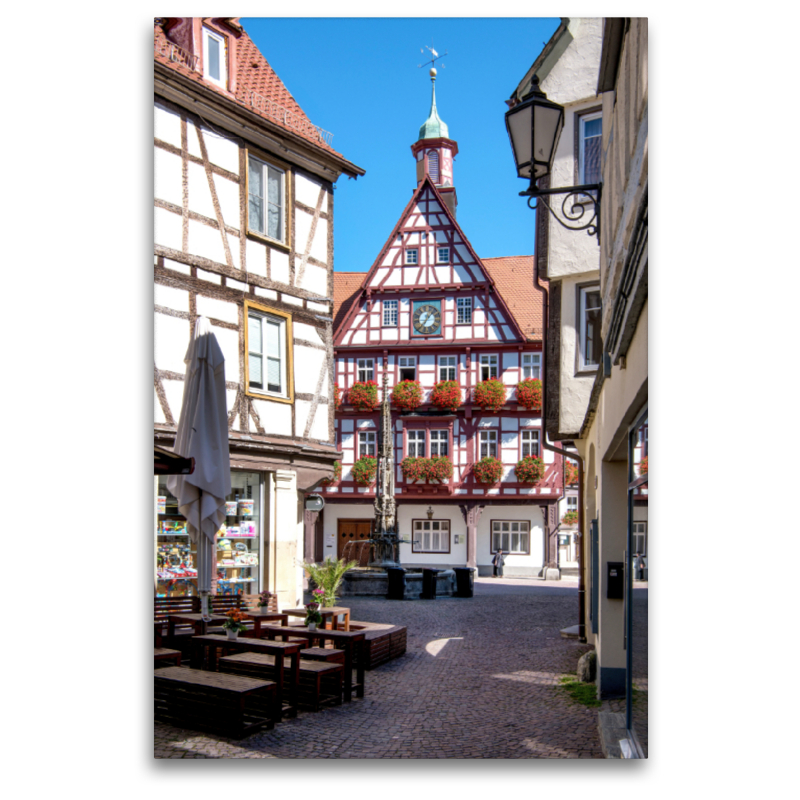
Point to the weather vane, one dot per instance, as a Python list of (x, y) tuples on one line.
[(433, 60)]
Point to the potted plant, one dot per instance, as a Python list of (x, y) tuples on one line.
[(490, 395), (337, 474), (530, 469), (234, 623), (407, 395), (414, 469), (328, 576), (446, 395), (440, 468), (263, 600), (570, 518), (570, 472), (529, 394), (337, 396), (364, 470), (364, 396), (488, 470), (313, 617)]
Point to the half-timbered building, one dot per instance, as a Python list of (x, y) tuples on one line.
[(430, 311), (244, 236)]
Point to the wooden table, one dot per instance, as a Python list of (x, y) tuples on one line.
[(195, 620), (329, 612), (258, 616), (352, 642), (241, 644)]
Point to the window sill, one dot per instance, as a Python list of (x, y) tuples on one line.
[(260, 237), (264, 396)]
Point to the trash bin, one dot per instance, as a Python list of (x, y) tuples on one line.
[(397, 584), (465, 581), (429, 584)]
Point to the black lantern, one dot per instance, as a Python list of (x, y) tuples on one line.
[(534, 127)]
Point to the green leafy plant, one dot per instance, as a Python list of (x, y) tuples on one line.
[(490, 395), (364, 470), (530, 469), (312, 614), (570, 472), (579, 692), (488, 470), (529, 394), (407, 395), (328, 576), (337, 474), (446, 395), (364, 396), (570, 518)]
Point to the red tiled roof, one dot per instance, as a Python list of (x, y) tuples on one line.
[(253, 74), (513, 276), (346, 288)]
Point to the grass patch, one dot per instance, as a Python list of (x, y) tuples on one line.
[(580, 692)]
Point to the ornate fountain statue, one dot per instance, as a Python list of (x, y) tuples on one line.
[(387, 549)]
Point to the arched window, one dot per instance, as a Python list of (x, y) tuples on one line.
[(433, 165)]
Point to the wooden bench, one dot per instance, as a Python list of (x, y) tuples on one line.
[(383, 642), (320, 683), (228, 705), (326, 654), (167, 655)]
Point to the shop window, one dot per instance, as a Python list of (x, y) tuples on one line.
[(512, 536), (269, 362), (365, 370), (488, 444), (531, 365), (448, 368), (407, 368), (266, 200), (431, 536)]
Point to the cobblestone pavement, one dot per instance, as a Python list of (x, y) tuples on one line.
[(479, 680)]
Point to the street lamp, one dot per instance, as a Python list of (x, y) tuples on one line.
[(534, 126)]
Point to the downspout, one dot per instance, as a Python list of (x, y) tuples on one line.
[(562, 452)]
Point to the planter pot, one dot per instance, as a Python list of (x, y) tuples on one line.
[(312, 626), (232, 634)]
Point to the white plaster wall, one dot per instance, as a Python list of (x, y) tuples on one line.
[(275, 417), (167, 297), (167, 177), (221, 151), (228, 197), (527, 512), (171, 342), (307, 192), (167, 229), (166, 125), (574, 75)]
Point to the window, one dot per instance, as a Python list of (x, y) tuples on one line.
[(589, 143), (365, 369), (529, 443), (433, 165), (411, 256), (488, 443), (572, 504), (464, 306), (390, 313), (416, 444), (488, 367), (440, 443), (366, 443), (589, 317), (531, 365), (511, 536), (268, 357), (407, 368), (448, 366), (266, 199), (443, 255), (214, 58), (639, 530), (431, 536)]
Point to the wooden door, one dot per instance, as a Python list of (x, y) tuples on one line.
[(352, 530)]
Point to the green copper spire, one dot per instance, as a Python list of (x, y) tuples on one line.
[(433, 127)]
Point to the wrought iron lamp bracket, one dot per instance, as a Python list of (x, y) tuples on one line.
[(580, 209)]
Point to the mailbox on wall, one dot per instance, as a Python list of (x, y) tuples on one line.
[(615, 580)]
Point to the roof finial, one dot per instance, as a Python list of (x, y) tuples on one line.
[(433, 127)]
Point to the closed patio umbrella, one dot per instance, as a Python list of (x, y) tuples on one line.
[(203, 435)]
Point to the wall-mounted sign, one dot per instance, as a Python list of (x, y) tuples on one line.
[(426, 319), (314, 502)]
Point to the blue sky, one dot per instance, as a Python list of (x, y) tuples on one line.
[(359, 79)]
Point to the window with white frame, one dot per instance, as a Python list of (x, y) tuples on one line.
[(266, 199), (639, 530), (390, 313), (267, 357), (411, 255), (589, 328), (431, 536), (416, 444), (463, 310), (440, 443), (529, 442), (488, 444), (531, 365), (215, 67), (443, 255), (572, 503), (511, 536), (407, 368), (366, 443), (589, 144), (365, 370), (488, 367), (448, 366)]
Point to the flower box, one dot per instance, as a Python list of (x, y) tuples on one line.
[(488, 470), (490, 395), (529, 394), (407, 395), (643, 466), (570, 518), (570, 472), (364, 470), (337, 396), (446, 395), (364, 396), (529, 469), (438, 468)]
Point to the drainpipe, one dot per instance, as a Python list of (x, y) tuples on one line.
[(565, 453)]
